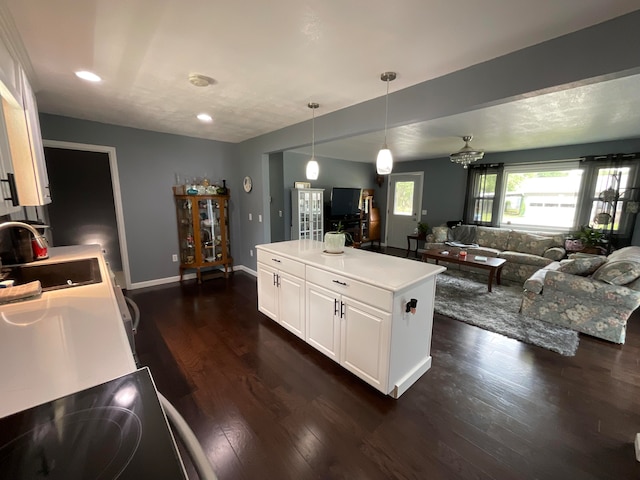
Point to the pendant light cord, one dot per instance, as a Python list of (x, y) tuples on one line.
[(386, 114), (313, 133)]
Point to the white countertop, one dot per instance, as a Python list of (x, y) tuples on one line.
[(63, 342), (384, 271)]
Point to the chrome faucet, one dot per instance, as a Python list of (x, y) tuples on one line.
[(40, 239)]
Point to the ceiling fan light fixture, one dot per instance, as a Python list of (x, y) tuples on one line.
[(313, 169), (384, 162), (467, 154)]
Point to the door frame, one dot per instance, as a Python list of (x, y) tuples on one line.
[(389, 198), (117, 197)]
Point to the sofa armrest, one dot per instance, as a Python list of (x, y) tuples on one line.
[(555, 253), (536, 281), (591, 290)]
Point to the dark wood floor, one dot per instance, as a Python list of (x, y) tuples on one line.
[(265, 405)]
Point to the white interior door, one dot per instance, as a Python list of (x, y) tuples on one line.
[(404, 201)]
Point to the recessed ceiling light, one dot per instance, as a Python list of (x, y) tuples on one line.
[(89, 76), (205, 117)]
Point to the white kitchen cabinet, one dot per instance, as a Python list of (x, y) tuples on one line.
[(25, 146), (10, 82), (307, 218), (7, 183), (357, 309), (350, 322), (281, 291), (323, 320)]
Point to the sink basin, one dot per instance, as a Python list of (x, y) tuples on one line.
[(54, 276)]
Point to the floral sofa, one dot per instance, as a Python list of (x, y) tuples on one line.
[(525, 252), (589, 293)]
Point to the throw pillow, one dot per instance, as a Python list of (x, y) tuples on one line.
[(440, 234), (618, 272), (582, 266)]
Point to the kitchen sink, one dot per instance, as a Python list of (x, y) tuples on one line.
[(55, 276)]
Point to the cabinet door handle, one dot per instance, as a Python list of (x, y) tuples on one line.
[(276, 260), (335, 306), (13, 191), (340, 283), (275, 282), (278, 277), (342, 304)]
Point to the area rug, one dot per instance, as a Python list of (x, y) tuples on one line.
[(464, 296)]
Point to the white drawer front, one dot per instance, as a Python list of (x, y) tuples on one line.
[(374, 296), (281, 263)]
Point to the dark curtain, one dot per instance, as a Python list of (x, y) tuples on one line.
[(484, 190)]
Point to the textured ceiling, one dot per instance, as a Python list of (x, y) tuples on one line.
[(269, 59)]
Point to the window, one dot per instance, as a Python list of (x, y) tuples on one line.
[(601, 192), (403, 200), (481, 199), (541, 196), (608, 201)]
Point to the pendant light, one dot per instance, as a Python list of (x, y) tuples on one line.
[(384, 163), (313, 169)]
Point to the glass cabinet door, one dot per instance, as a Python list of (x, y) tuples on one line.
[(208, 219), (186, 237)]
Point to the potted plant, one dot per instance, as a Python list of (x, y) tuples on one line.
[(334, 241), (593, 240), (423, 228)]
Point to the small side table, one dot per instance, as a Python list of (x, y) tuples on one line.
[(417, 238)]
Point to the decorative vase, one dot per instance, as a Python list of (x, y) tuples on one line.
[(334, 242)]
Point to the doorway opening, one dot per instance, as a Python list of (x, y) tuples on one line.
[(87, 205)]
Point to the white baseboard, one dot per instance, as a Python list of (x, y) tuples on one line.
[(188, 276)]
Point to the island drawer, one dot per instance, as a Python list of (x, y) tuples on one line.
[(281, 263), (360, 291)]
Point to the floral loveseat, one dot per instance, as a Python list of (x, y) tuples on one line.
[(588, 293), (525, 252)]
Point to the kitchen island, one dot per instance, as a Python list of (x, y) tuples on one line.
[(62, 342), (371, 313)]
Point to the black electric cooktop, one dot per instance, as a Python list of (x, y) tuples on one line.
[(113, 430)]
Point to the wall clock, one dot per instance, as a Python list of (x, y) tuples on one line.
[(247, 184)]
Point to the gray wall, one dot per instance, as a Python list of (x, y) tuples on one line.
[(593, 54), (148, 160), (147, 164), (333, 173), (445, 182)]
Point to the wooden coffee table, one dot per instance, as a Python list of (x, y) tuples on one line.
[(494, 265)]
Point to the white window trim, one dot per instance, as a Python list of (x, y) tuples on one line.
[(536, 167)]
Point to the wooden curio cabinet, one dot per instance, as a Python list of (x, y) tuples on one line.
[(203, 232)]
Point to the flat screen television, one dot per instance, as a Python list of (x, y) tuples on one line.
[(345, 202)]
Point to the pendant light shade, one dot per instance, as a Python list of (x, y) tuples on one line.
[(384, 162), (313, 169)]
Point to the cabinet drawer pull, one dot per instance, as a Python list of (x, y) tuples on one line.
[(340, 283), (276, 260)]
